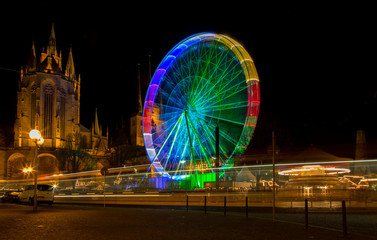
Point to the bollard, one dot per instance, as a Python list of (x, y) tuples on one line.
[(247, 208), (306, 214), (344, 218), (205, 204), (224, 206), (186, 203)]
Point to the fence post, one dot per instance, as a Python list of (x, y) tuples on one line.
[(306, 214), (104, 189), (247, 208), (344, 218), (205, 204), (224, 205)]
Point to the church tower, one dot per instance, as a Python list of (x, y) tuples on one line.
[(137, 119), (48, 98)]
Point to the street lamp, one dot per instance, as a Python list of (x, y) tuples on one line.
[(36, 136), (27, 172)]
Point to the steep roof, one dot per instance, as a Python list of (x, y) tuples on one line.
[(245, 175)]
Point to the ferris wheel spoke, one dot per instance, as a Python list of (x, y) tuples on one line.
[(221, 94), (166, 140), (170, 109), (220, 79), (208, 60), (167, 122), (224, 119), (227, 106), (167, 95), (222, 133), (197, 138), (181, 163), (162, 130), (173, 142), (167, 115), (225, 135), (228, 94), (211, 137), (170, 105)]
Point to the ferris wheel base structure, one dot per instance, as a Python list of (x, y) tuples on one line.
[(206, 81)]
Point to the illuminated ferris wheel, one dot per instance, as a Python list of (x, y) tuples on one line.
[(207, 80)]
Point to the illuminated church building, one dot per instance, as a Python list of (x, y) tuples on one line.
[(48, 99)]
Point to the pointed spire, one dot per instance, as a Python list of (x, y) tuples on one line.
[(32, 61), (140, 105), (52, 41), (60, 60), (96, 126), (70, 68)]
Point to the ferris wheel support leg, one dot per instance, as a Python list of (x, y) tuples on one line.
[(217, 163)]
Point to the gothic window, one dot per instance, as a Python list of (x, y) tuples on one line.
[(62, 117), (47, 111), (33, 102)]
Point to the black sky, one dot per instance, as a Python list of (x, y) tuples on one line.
[(315, 85)]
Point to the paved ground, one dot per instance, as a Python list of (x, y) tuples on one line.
[(93, 222)]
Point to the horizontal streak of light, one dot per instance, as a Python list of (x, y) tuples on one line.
[(93, 171), (115, 195)]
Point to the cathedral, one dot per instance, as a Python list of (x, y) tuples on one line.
[(48, 99)]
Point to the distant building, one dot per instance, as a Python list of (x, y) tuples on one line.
[(127, 140), (136, 126), (48, 99)]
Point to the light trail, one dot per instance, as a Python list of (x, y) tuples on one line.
[(111, 195), (95, 171)]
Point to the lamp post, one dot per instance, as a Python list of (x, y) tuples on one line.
[(273, 177), (36, 136)]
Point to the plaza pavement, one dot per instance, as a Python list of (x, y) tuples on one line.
[(95, 222)]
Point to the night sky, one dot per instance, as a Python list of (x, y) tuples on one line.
[(315, 86)]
